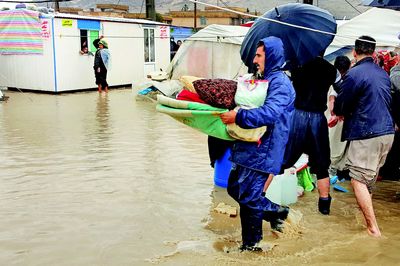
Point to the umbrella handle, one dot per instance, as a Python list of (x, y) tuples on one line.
[(277, 13)]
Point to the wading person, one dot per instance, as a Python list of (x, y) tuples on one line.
[(364, 100), (309, 127), (254, 162), (342, 64), (101, 63)]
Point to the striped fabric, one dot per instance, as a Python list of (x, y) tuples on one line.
[(20, 32)]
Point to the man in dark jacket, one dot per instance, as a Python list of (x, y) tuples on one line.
[(254, 162), (309, 127), (364, 100)]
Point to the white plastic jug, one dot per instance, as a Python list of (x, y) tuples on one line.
[(283, 188)]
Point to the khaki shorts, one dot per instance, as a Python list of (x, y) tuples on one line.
[(365, 157)]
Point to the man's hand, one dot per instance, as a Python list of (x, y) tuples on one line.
[(228, 117), (331, 104), (333, 120)]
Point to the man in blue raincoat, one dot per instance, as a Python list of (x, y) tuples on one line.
[(254, 162)]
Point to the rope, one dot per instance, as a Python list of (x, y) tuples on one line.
[(288, 24)]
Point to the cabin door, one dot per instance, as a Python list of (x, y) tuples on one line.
[(149, 51)]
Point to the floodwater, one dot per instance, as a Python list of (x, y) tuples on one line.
[(102, 179)]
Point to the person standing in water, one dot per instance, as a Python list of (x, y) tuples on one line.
[(364, 100), (101, 63), (254, 163)]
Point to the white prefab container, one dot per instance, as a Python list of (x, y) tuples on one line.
[(137, 47)]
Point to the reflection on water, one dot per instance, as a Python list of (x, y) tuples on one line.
[(100, 179), (102, 115)]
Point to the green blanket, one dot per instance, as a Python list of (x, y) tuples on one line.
[(202, 117)]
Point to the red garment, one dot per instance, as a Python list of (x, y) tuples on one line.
[(186, 95), (217, 92), (387, 60)]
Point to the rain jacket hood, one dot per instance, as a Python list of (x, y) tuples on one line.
[(274, 55), (276, 112)]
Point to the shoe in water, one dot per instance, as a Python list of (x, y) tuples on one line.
[(276, 218), (282, 213), (277, 225), (324, 205), (250, 248)]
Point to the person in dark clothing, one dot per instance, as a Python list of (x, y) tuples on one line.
[(335, 123), (101, 63), (217, 148), (391, 169), (173, 47), (253, 163), (309, 128), (364, 100)]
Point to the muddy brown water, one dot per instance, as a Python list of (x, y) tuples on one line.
[(89, 179)]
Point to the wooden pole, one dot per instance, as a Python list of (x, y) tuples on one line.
[(150, 10), (195, 16), (56, 6)]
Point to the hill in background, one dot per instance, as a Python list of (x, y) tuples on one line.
[(339, 8)]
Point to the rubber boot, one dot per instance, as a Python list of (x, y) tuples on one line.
[(276, 218), (324, 205)]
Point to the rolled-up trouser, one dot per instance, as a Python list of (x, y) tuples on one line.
[(365, 157), (246, 187)]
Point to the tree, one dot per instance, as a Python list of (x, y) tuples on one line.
[(159, 17)]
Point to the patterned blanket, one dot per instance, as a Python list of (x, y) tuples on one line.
[(20, 32)]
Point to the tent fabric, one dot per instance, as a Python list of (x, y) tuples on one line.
[(205, 54), (20, 32), (394, 4), (202, 117), (221, 33), (374, 23)]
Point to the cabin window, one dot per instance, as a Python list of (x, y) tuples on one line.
[(87, 38), (203, 21), (149, 49)]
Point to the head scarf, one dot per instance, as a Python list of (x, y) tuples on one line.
[(104, 43)]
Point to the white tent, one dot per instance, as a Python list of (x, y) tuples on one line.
[(380, 23), (213, 52)]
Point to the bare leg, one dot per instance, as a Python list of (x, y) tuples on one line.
[(365, 202), (106, 88), (323, 187), (99, 87)]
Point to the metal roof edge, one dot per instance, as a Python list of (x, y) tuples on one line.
[(110, 19)]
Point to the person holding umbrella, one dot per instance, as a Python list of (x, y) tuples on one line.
[(309, 127), (253, 162)]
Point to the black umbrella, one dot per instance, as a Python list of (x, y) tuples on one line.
[(301, 45)]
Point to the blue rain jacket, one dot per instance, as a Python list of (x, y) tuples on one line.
[(364, 100), (276, 114)]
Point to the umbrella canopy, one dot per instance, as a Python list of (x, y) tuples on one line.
[(300, 45), (393, 4)]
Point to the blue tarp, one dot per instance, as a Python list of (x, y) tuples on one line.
[(181, 33), (88, 24)]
